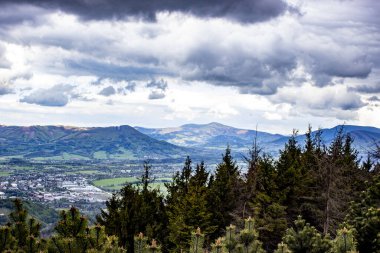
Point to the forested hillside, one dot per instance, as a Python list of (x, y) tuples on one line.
[(313, 198)]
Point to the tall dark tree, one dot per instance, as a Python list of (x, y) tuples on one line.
[(225, 193), (290, 176), (133, 210), (309, 189), (364, 216), (263, 202), (188, 206)]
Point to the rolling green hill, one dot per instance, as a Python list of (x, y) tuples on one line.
[(58, 142)]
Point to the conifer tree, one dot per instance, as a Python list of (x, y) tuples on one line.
[(344, 241), (338, 181), (153, 247), (191, 209), (364, 217), (305, 238), (231, 239), (263, 200), (289, 178), (248, 238), (74, 235), (22, 233), (224, 193), (140, 243), (309, 191), (132, 210), (282, 248), (197, 240), (218, 246)]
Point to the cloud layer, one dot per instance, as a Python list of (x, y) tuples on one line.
[(246, 11), (306, 59)]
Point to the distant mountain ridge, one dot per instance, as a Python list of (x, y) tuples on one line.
[(206, 141), (212, 135), (58, 142), (215, 136)]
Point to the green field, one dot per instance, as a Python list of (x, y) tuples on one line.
[(118, 182), (110, 183)]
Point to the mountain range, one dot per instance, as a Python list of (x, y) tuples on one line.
[(133, 143), (214, 137), (59, 142)]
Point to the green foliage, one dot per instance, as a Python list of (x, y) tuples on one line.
[(248, 238), (22, 233), (231, 240), (364, 217), (197, 240), (224, 193), (344, 241), (140, 243), (244, 242), (74, 235), (218, 246), (188, 206), (263, 200), (133, 210), (304, 238), (282, 248)]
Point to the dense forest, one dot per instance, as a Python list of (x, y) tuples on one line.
[(314, 197)]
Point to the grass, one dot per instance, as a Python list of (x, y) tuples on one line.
[(117, 183), (112, 182)]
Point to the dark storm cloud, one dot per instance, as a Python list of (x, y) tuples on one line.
[(374, 99), (108, 91), (368, 88), (111, 71), (58, 95), (246, 11), (20, 12), (250, 72)]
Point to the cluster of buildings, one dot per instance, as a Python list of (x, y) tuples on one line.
[(48, 187)]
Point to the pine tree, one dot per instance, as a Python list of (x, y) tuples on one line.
[(248, 238), (304, 238), (364, 217), (218, 246), (197, 240), (132, 210), (224, 193), (22, 233), (282, 248), (263, 202), (344, 241), (153, 247), (74, 235), (190, 208), (339, 177), (140, 243), (289, 178), (309, 192), (231, 239)]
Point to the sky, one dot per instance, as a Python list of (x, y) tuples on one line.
[(276, 65)]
